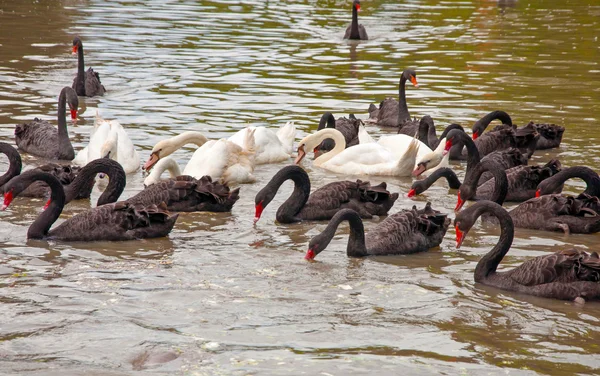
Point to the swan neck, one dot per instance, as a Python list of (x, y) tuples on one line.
[(40, 227), (80, 63), (15, 163), (356, 242), (488, 263), (65, 149), (403, 114), (338, 139), (288, 211), (444, 172), (354, 33), (186, 138), (500, 180), (327, 121), (589, 176), (83, 183)]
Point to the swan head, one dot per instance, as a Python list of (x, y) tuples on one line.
[(465, 193), (356, 4), (431, 160), (262, 199), (72, 100), (410, 75), (76, 44), (463, 222), (169, 146), (316, 245), (312, 141)]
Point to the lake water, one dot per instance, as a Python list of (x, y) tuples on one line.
[(219, 296)]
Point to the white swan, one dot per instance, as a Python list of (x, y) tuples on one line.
[(165, 164), (109, 138), (219, 159), (427, 160), (269, 146), (361, 159)]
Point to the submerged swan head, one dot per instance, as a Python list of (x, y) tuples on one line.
[(431, 160), (169, 146), (165, 164), (311, 141)]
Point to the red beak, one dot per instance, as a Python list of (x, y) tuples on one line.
[(47, 204), (459, 202), (358, 7), (475, 135), (74, 114), (310, 255), (413, 79), (447, 147), (412, 193), (8, 197), (258, 211), (74, 49), (538, 193), (460, 236)]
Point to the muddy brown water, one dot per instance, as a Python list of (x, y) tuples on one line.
[(219, 296)]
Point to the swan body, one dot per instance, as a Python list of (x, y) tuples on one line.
[(405, 232), (42, 139), (109, 139), (323, 203), (118, 221), (392, 113), (219, 159), (361, 159), (566, 275), (187, 194), (269, 146)]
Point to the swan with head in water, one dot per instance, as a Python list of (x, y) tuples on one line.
[(567, 275), (405, 232), (219, 159), (323, 203), (42, 139), (355, 30), (86, 84), (118, 221)]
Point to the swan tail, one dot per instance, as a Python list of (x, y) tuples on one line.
[(286, 134), (363, 136), (249, 144)]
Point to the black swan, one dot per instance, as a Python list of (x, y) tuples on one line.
[(355, 30), (186, 194), (323, 203), (550, 135), (64, 173), (392, 113), (118, 221), (555, 183), (348, 127), (549, 213), (405, 232), (42, 139), (522, 181), (567, 275), (506, 158), (86, 84)]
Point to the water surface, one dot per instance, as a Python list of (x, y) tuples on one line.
[(219, 296)]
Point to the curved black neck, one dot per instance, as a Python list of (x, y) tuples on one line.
[(456, 150), (481, 124), (354, 33), (492, 259), (40, 227), (427, 132), (356, 242), (83, 183), (500, 181), (444, 172), (15, 163), (588, 175), (461, 138), (65, 149), (291, 207), (403, 114), (327, 121)]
